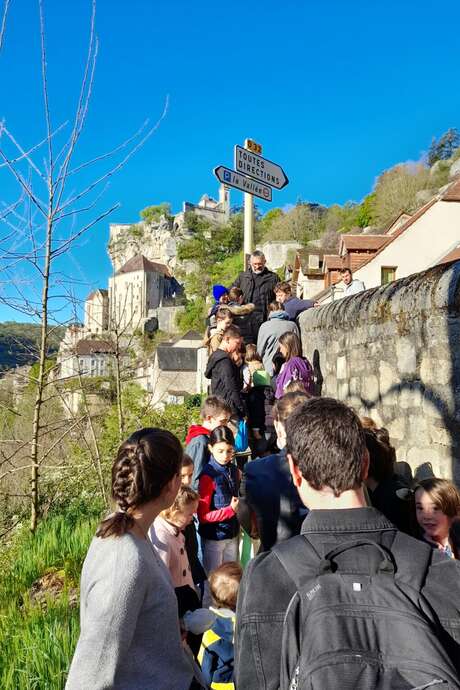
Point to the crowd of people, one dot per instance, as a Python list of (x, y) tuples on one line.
[(356, 581)]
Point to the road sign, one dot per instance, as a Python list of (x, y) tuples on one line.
[(253, 146), (232, 178), (261, 169)]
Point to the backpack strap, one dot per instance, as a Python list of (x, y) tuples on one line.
[(299, 559), (413, 559)]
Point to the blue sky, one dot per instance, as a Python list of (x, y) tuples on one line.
[(336, 92)]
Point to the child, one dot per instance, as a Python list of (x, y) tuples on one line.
[(168, 540), (216, 655), (295, 367), (214, 412), (190, 532), (224, 373), (437, 505), (220, 294), (242, 315), (252, 363), (218, 489), (223, 319)]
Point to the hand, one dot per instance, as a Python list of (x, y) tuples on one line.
[(316, 304), (234, 503)]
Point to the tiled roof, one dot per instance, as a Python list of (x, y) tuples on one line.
[(363, 242), (453, 192), (93, 347), (141, 263), (332, 261), (93, 294)]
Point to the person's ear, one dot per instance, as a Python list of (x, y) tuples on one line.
[(210, 448), (296, 474), (365, 466)]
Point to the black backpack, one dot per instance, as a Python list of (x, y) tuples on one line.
[(348, 630)]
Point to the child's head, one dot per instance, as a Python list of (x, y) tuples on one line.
[(282, 291), (296, 386), (437, 504), (251, 354), (220, 294), (235, 295), (381, 454), (275, 306), (180, 514), (222, 445), (281, 411), (290, 346), (186, 471), (215, 412), (224, 582), (231, 340), (224, 318)]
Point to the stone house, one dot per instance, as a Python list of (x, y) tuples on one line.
[(88, 357), (97, 311), (308, 274), (207, 208)]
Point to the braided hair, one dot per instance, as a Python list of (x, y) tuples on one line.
[(144, 465)]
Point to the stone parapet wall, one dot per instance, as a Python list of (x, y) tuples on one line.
[(393, 353)]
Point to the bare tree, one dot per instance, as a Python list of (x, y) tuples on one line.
[(49, 217)]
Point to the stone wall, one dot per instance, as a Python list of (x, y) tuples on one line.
[(393, 353)]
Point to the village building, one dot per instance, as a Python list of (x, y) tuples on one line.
[(97, 312), (207, 208)]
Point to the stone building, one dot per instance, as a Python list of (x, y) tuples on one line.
[(207, 208), (97, 311)]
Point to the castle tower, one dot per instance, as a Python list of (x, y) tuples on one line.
[(224, 200)]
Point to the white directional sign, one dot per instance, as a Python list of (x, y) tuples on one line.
[(261, 169), (232, 178)]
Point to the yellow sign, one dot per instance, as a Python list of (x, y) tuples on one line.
[(253, 146)]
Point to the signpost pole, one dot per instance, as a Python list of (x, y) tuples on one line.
[(248, 224)]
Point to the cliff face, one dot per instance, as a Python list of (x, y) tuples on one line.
[(155, 241)]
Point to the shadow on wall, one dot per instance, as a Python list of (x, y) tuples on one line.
[(393, 353)]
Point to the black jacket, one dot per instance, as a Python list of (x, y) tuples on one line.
[(267, 490), (258, 289), (226, 381), (266, 590)]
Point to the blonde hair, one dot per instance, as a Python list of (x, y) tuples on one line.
[(185, 497), (224, 583), (251, 354)]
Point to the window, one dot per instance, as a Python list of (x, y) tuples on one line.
[(313, 261), (388, 274)]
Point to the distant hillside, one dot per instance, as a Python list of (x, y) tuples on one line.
[(19, 343)]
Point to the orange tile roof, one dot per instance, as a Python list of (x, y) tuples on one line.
[(363, 242), (453, 193), (332, 261)]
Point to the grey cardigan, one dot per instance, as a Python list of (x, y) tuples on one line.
[(129, 637), (269, 334)]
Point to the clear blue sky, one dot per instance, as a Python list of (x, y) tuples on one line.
[(336, 92)]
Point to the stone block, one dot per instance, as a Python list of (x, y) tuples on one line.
[(406, 356), (342, 372), (343, 390), (441, 435), (423, 461), (397, 429), (370, 389)]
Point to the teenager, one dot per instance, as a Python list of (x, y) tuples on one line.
[(224, 373), (125, 587), (345, 548), (295, 367), (293, 306)]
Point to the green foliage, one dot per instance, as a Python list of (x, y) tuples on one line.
[(152, 214), (35, 370), (366, 212), (302, 223), (444, 147), (20, 342), (396, 190), (135, 231), (194, 315), (265, 223)]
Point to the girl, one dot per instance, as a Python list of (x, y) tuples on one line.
[(437, 507), (125, 587), (252, 363), (218, 489), (295, 367), (168, 540)]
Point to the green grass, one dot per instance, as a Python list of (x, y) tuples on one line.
[(37, 643)]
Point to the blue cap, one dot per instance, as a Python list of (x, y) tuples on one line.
[(218, 291)]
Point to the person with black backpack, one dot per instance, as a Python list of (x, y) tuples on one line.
[(351, 603)]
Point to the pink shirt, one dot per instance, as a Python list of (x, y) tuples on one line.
[(169, 543)]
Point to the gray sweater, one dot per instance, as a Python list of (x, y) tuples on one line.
[(269, 334), (129, 637)]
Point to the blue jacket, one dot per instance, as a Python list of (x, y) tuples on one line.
[(218, 484), (216, 653), (295, 306)]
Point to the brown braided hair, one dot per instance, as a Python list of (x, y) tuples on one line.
[(144, 465)]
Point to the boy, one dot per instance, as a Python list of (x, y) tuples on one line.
[(293, 306), (224, 319), (214, 412), (216, 653)]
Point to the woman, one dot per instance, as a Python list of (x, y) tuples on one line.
[(295, 367), (130, 637)]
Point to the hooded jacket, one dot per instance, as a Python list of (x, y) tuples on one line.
[(197, 440), (269, 334), (258, 288), (225, 381)]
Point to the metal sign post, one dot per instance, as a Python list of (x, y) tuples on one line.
[(248, 232)]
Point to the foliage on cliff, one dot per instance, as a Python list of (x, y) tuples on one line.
[(19, 343)]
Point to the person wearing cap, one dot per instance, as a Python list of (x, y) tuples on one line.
[(220, 294)]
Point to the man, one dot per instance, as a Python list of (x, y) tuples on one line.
[(352, 285), (224, 374), (257, 284), (271, 331), (267, 492), (293, 306), (328, 460)]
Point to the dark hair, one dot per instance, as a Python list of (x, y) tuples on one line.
[(231, 332), (213, 405), (224, 582), (326, 440), (187, 461), (345, 270), (292, 342), (221, 434), (443, 493), (145, 463), (381, 454), (223, 313), (287, 404), (284, 286), (274, 306)]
